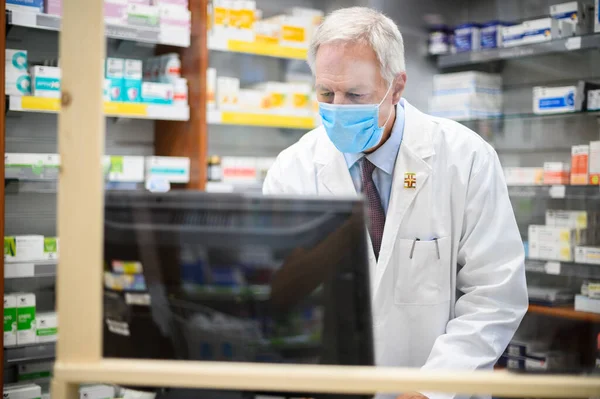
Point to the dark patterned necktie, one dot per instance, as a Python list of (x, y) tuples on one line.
[(376, 214)]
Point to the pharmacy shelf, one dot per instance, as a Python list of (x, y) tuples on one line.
[(563, 268), (578, 43), (556, 191), (263, 119), (564, 312), (531, 117), (223, 187), (256, 48), (113, 31), (114, 109), (30, 353), (45, 268)]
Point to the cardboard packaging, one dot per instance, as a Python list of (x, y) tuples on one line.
[(567, 219), (50, 248), (585, 304), (573, 17), (467, 37), (26, 323), (142, 15), (115, 12), (10, 320), (588, 255), (53, 7), (517, 176), (125, 169), (561, 252), (551, 234), (114, 72), (550, 100), (593, 100), (556, 173), (512, 35), (132, 81), (16, 80), (579, 164), (96, 392), (540, 30), (22, 391), (211, 88), (45, 81), (157, 93), (47, 327), (491, 34), (35, 6), (23, 248), (124, 267), (171, 169), (594, 163), (34, 372)]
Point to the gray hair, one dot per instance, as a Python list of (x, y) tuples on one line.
[(367, 25)]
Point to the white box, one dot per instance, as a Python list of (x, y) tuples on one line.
[(211, 88), (10, 320), (25, 318), (549, 234), (171, 169), (114, 71), (545, 250), (540, 30), (594, 160), (551, 100), (16, 80), (22, 391), (47, 327), (593, 100), (585, 304), (512, 35), (589, 255), (35, 371), (143, 15), (96, 392), (51, 248), (129, 169), (45, 81), (573, 17), (467, 82), (568, 219), (23, 248), (157, 93)]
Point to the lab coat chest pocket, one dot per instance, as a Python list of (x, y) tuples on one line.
[(424, 277)]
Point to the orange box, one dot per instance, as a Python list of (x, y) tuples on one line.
[(594, 163), (579, 164), (556, 173)]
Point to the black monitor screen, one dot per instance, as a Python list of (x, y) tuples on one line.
[(219, 277)]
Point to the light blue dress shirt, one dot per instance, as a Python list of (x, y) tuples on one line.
[(384, 159)]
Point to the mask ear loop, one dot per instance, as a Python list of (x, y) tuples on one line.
[(379, 105)]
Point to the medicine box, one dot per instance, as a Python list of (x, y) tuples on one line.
[(31, 166), (211, 87), (589, 255), (567, 219), (23, 248), (518, 176), (171, 169), (96, 392), (549, 234), (16, 80), (35, 371), (556, 173), (132, 81), (593, 290), (53, 7), (45, 81), (50, 248), (467, 37), (579, 164), (22, 391), (115, 12), (549, 100), (124, 282), (550, 251), (125, 267), (512, 35), (573, 18), (47, 327), (129, 169), (594, 162), (491, 34), (10, 320), (593, 100), (36, 6), (585, 304), (142, 15), (26, 319), (540, 30), (114, 72), (157, 93)]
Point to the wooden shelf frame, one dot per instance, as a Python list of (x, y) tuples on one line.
[(80, 214), (565, 312)]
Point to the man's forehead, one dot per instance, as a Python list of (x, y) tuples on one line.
[(346, 63)]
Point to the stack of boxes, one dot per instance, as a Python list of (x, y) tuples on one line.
[(23, 325), (241, 20), (553, 100), (466, 95), (245, 170), (283, 98)]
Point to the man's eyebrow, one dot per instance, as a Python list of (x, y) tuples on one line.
[(350, 90)]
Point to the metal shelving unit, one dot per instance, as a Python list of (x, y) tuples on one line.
[(45, 268), (556, 192), (579, 43), (569, 269), (30, 353)]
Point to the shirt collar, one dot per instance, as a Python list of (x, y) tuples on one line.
[(385, 156)]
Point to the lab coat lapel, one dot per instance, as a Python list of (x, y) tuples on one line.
[(333, 176), (417, 145)]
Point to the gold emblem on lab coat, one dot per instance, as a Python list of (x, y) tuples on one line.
[(410, 180)]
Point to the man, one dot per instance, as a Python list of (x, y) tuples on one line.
[(447, 267)]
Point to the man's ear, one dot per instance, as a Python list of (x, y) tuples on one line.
[(398, 89)]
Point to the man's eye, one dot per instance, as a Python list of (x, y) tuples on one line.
[(326, 94), (354, 95)]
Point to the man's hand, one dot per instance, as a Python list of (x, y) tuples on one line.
[(412, 395)]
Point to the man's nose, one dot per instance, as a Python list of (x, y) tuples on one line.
[(340, 99)]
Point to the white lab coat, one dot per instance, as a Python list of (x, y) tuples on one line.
[(456, 312)]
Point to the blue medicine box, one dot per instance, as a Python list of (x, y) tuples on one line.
[(36, 6), (467, 37)]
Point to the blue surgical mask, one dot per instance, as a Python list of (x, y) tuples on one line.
[(353, 128)]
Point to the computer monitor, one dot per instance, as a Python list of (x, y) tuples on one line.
[(233, 277)]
